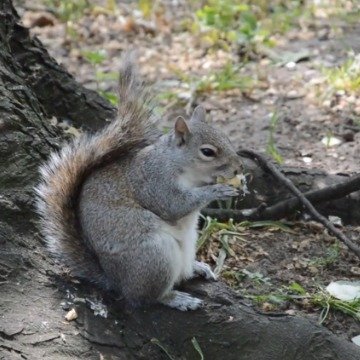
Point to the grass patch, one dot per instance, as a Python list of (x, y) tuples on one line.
[(270, 224), (197, 347), (256, 277), (345, 77), (332, 254), (229, 77), (221, 230), (68, 10), (297, 294), (96, 58), (228, 23), (329, 303), (271, 148), (163, 348)]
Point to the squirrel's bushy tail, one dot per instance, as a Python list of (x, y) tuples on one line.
[(65, 171)]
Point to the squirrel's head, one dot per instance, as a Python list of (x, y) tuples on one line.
[(206, 151)]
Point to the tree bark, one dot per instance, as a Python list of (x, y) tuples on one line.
[(34, 297)]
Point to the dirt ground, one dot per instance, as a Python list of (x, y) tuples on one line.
[(306, 110), (296, 93), (262, 263)]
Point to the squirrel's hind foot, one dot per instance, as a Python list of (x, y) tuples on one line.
[(181, 301)]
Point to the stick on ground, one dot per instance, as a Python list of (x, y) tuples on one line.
[(286, 207), (267, 166)]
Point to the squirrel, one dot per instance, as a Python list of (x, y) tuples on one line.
[(120, 207)]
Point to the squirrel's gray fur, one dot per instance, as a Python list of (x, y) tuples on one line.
[(120, 207)]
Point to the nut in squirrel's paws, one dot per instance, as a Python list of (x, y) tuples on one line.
[(238, 181)]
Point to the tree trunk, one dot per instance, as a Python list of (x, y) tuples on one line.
[(34, 299)]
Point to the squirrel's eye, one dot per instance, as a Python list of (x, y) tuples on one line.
[(208, 152)]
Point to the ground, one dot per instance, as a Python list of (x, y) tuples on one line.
[(285, 99)]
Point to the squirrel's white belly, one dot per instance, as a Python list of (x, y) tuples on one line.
[(185, 234)]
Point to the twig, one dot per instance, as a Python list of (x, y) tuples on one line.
[(285, 207), (267, 166), (332, 192)]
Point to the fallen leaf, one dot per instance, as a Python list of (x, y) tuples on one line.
[(344, 290), (356, 340)]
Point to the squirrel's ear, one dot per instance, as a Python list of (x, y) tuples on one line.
[(182, 131), (199, 114)]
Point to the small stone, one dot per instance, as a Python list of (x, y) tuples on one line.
[(348, 135), (355, 270), (313, 269), (323, 34), (71, 315), (267, 306), (335, 220), (307, 159), (290, 65), (330, 141), (65, 305), (290, 312)]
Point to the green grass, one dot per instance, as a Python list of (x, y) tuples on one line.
[(345, 77), (256, 277), (329, 303), (166, 351), (163, 348), (223, 231), (212, 227), (228, 23), (96, 58), (197, 347), (320, 298), (229, 77), (68, 10), (331, 256), (270, 224), (146, 7), (271, 148)]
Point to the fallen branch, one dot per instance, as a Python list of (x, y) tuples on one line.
[(267, 166), (332, 192), (286, 207)]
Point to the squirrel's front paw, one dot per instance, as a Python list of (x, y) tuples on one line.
[(222, 191), (203, 269)]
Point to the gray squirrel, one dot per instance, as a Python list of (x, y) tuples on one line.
[(120, 208)]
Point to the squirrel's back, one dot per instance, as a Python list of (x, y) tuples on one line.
[(64, 173)]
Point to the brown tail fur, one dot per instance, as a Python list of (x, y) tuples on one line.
[(63, 174)]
